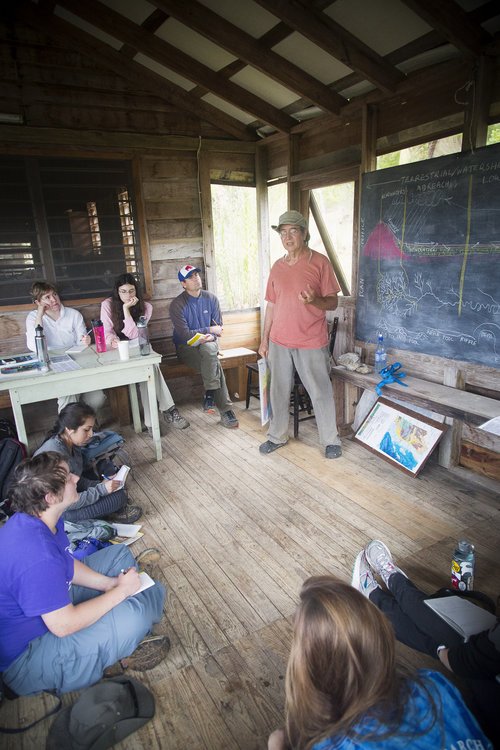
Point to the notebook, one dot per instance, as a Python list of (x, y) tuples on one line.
[(464, 616)]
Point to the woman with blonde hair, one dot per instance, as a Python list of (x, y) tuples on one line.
[(344, 691)]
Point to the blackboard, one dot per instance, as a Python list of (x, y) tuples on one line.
[(429, 260)]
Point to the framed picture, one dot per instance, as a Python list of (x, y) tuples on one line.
[(400, 436)]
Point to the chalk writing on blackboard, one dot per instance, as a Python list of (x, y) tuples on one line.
[(429, 272)]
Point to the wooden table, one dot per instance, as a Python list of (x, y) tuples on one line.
[(96, 371)]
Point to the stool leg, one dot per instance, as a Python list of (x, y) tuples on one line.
[(249, 385)]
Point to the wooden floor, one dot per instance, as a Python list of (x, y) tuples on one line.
[(239, 534)]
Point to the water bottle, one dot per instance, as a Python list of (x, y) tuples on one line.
[(380, 354), (462, 566), (100, 339), (42, 354), (142, 329)]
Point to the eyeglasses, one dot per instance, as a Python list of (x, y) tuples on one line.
[(293, 232)]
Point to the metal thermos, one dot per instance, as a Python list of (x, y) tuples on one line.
[(42, 354), (462, 566), (142, 330)]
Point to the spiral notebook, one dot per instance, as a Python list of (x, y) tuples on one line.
[(463, 616)]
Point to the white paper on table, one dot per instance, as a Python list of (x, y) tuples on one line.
[(77, 348), (63, 363)]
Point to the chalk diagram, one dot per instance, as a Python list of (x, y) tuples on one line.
[(435, 296)]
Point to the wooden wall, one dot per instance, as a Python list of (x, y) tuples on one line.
[(168, 195)]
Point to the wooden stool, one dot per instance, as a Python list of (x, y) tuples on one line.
[(252, 390)]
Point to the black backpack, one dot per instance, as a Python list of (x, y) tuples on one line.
[(12, 452)]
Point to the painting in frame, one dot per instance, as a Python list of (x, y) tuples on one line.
[(399, 435)]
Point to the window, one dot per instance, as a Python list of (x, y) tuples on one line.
[(70, 221), (234, 213), (493, 134), (336, 207), (440, 147)]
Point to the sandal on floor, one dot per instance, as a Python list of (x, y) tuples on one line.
[(269, 447), (333, 451)]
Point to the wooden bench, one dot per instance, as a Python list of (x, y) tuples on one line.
[(233, 363), (462, 410)]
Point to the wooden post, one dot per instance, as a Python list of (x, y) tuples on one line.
[(449, 447), (369, 138), (207, 221), (293, 168), (263, 223), (478, 105)]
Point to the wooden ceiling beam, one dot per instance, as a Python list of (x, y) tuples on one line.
[(152, 23), (247, 48), (455, 24), (137, 75), (336, 41), (166, 54)]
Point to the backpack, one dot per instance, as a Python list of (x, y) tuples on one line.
[(7, 429), (12, 452), (102, 454)]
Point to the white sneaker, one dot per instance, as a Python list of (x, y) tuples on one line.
[(362, 576), (380, 560)]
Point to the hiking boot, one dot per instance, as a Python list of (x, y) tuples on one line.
[(380, 559), (150, 652), (269, 447), (127, 514), (208, 404), (148, 556), (173, 417), (228, 419), (333, 451), (362, 576)]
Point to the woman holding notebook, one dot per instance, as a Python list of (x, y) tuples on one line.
[(416, 625), (107, 499)]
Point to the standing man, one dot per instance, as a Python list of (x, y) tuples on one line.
[(300, 288), (196, 311)]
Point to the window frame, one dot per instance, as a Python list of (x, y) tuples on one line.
[(143, 255)]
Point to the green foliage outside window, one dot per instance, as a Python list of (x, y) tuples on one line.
[(234, 214)]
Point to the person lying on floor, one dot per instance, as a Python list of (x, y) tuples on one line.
[(419, 627), (73, 429), (62, 621), (344, 691)]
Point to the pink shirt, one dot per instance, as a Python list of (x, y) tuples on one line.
[(296, 325), (129, 328)]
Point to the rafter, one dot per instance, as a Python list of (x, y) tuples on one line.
[(337, 41), (155, 48), (454, 23), (242, 45), (137, 75)]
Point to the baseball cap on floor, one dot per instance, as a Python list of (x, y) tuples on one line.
[(187, 271), (102, 716), (290, 217)]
